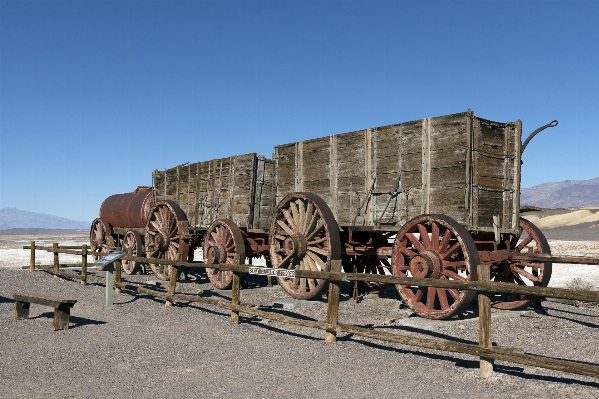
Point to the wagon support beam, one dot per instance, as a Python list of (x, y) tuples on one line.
[(503, 255)]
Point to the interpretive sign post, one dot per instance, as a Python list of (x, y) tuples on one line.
[(107, 264)]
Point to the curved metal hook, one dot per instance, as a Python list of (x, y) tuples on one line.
[(551, 124)]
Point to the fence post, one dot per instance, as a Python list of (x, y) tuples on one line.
[(32, 257), (333, 304), (172, 283), (84, 264), (235, 291), (56, 266), (484, 321)]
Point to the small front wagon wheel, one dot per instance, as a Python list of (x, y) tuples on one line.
[(132, 242), (223, 241), (164, 236), (303, 235), (100, 238), (435, 246)]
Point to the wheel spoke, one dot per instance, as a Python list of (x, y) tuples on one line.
[(285, 227), (415, 242), (290, 220), (318, 261), (295, 216), (302, 215), (426, 242), (453, 275), (442, 295), (320, 241), (308, 218), (419, 294), (454, 293), (445, 241), (407, 252), (451, 251), (314, 219), (435, 237), (431, 293), (284, 261), (318, 251), (318, 229), (523, 244), (524, 273)]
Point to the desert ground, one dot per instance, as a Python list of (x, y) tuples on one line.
[(138, 348)]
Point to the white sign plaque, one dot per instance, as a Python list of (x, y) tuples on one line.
[(269, 271)]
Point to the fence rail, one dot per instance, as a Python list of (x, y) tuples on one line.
[(484, 350)]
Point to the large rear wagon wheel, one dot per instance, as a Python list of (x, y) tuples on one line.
[(164, 239), (223, 241), (100, 238), (435, 246), (303, 235), (531, 240)]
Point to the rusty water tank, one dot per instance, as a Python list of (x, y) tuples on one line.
[(127, 210)]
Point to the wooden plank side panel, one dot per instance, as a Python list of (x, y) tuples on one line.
[(496, 157), (449, 201), (490, 203), (264, 201), (209, 190), (285, 170), (449, 132)]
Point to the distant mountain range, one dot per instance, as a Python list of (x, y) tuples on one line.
[(18, 220), (565, 194)]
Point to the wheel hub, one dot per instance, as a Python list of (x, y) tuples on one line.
[(216, 254), (295, 246), (426, 265), (161, 242)]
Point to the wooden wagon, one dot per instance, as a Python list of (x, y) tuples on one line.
[(428, 198)]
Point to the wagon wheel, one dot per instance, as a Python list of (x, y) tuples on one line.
[(435, 246), (164, 236), (532, 241), (223, 241), (303, 236), (132, 241), (100, 238)]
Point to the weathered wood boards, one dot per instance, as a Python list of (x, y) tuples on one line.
[(459, 165), (62, 307), (239, 188)]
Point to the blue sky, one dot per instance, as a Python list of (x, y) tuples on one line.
[(95, 95)]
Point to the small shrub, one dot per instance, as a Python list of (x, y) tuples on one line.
[(580, 284)]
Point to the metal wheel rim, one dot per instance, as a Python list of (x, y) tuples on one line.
[(524, 273), (226, 233), (304, 215), (459, 257)]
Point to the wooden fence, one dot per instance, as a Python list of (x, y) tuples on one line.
[(485, 289)]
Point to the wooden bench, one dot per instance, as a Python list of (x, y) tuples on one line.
[(62, 307)]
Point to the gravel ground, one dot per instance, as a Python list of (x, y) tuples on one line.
[(139, 349)]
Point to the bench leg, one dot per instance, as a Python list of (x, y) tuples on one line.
[(61, 317), (21, 310)]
